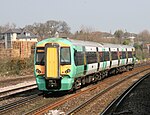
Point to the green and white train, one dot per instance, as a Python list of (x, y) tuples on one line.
[(63, 64)]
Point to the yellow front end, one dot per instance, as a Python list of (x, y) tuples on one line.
[(52, 66)]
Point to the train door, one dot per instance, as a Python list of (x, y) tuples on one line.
[(101, 56), (123, 57), (52, 61), (130, 56), (91, 58), (114, 55), (79, 61), (105, 64)]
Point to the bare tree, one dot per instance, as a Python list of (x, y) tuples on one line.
[(84, 34), (49, 28), (7, 26), (119, 34), (144, 36)]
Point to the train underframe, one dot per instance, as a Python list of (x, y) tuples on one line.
[(95, 77)]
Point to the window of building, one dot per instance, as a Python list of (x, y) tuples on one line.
[(8, 37), (27, 34)]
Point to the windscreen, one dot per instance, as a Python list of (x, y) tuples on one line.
[(65, 57), (40, 56)]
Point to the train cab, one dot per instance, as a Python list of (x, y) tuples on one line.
[(53, 66)]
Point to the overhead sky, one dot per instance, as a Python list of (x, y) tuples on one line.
[(100, 15)]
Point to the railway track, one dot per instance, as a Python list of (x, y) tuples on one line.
[(81, 106), (15, 91), (10, 106), (112, 107), (14, 81), (7, 107), (4, 109), (50, 106), (11, 92)]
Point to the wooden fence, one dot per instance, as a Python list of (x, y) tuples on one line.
[(20, 49)]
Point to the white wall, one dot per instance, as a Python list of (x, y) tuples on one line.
[(29, 40), (14, 36)]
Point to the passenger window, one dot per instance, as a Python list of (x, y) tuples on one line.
[(79, 58)]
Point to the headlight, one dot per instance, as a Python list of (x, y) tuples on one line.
[(38, 71), (67, 71)]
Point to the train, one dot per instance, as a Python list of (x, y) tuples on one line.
[(63, 64)]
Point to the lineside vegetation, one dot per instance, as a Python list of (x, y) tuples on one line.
[(16, 66)]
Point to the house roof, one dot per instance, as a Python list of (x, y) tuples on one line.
[(24, 36), (21, 33), (14, 31)]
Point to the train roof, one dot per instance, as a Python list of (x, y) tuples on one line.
[(83, 43), (95, 44), (111, 45), (116, 45)]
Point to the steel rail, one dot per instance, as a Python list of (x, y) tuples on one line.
[(10, 106), (76, 109), (111, 108), (50, 106), (12, 92), (21, 77), (15, 89)]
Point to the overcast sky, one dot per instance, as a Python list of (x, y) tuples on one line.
[(100, 15)]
